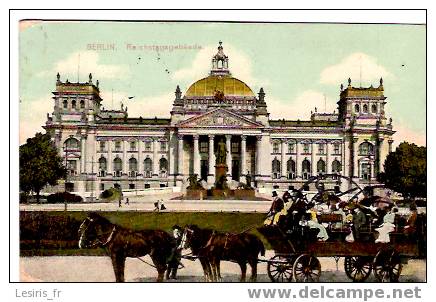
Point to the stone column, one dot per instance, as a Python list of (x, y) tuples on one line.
[(283, 159), (297, 160), (229, 157), (125, 161), (109, 159), (312, 160), (155, 158), (328, 165), (83, 154), (258, 155), (243, 156), (196, 156), (211, 174), (180, 154), (355, 157), (140, 158)]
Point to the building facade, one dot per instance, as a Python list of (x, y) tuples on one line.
[(106, 148)]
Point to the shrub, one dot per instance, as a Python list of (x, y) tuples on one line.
[(62, 197), (110, 194)]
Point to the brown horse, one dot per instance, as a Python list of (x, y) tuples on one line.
[(241, 248), (97, 231), (197, 239), (211, 247)]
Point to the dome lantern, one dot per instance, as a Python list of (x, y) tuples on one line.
[(220, 62)]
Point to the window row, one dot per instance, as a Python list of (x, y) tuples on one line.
[(133, 166), (322, 147), (133, 146), (74, 104), (365, 108), (305, 168)]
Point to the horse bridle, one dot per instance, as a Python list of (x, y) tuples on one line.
[(96, 242)]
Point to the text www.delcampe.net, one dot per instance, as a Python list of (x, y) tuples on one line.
[(320, 292)]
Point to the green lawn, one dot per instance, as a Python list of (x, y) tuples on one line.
[(55, 233)]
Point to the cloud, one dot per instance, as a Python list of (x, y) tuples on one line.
[(351, 67), (33, 115), (147, 107), (89, 63), (239, 64), (403, 133), (301, 106)]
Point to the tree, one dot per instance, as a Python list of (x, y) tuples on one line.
[(40, 164), (406, 170)]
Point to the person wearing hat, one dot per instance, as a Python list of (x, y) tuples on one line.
[(176, 253), (410, 227), (276, 207), (387, 226), (359, 221)]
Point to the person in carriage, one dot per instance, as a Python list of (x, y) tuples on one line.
[(311, 221), (410, 227), (387, 226), (276, 207)]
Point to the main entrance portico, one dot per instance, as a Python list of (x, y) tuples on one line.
[(199, 136)]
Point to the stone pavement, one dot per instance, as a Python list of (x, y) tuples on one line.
[(146, 203)]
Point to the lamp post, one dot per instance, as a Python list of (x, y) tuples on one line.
[(92, 162)]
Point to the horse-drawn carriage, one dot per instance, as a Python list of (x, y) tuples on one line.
[(297, 249)]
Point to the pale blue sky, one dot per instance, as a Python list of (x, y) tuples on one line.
[(297, 64)]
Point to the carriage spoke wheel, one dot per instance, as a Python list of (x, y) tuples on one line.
[(279, 268), (358, 268), (306, 268), (387, 265)]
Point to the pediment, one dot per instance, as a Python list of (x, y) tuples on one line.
[(219, 118)]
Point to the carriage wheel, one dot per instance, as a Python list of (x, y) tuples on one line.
[(279, 268), (358, 268), (387, 265), (306, 268)]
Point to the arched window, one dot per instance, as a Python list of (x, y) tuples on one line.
[(118, 167), (291, 169), (72, 143), (305, 169), (366, 148), (102, 166), (357, 108), (133, 164), (65, 104), (73, 104), (365, 108), (148, 167), (374, 108), (276, 168), (82, 104), (276, 147), (320, 166), (336, 166), (163, 167)]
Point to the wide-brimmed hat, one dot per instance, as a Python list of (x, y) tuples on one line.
[(176, 227)]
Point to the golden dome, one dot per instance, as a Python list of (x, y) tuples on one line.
[(227, 84)]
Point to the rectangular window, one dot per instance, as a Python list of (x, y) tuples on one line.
[(276, 148), (132, 146), (163, 146), (235, 147), (204, 147), (131, 186), (148, 146), (102, 146), (117, 146), (306, 148), (321, 148), (291, 148), (337, 148)]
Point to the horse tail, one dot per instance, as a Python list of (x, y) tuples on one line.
[(261, 247)]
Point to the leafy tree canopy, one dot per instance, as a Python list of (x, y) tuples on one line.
[(406, 170), (40, 164)]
